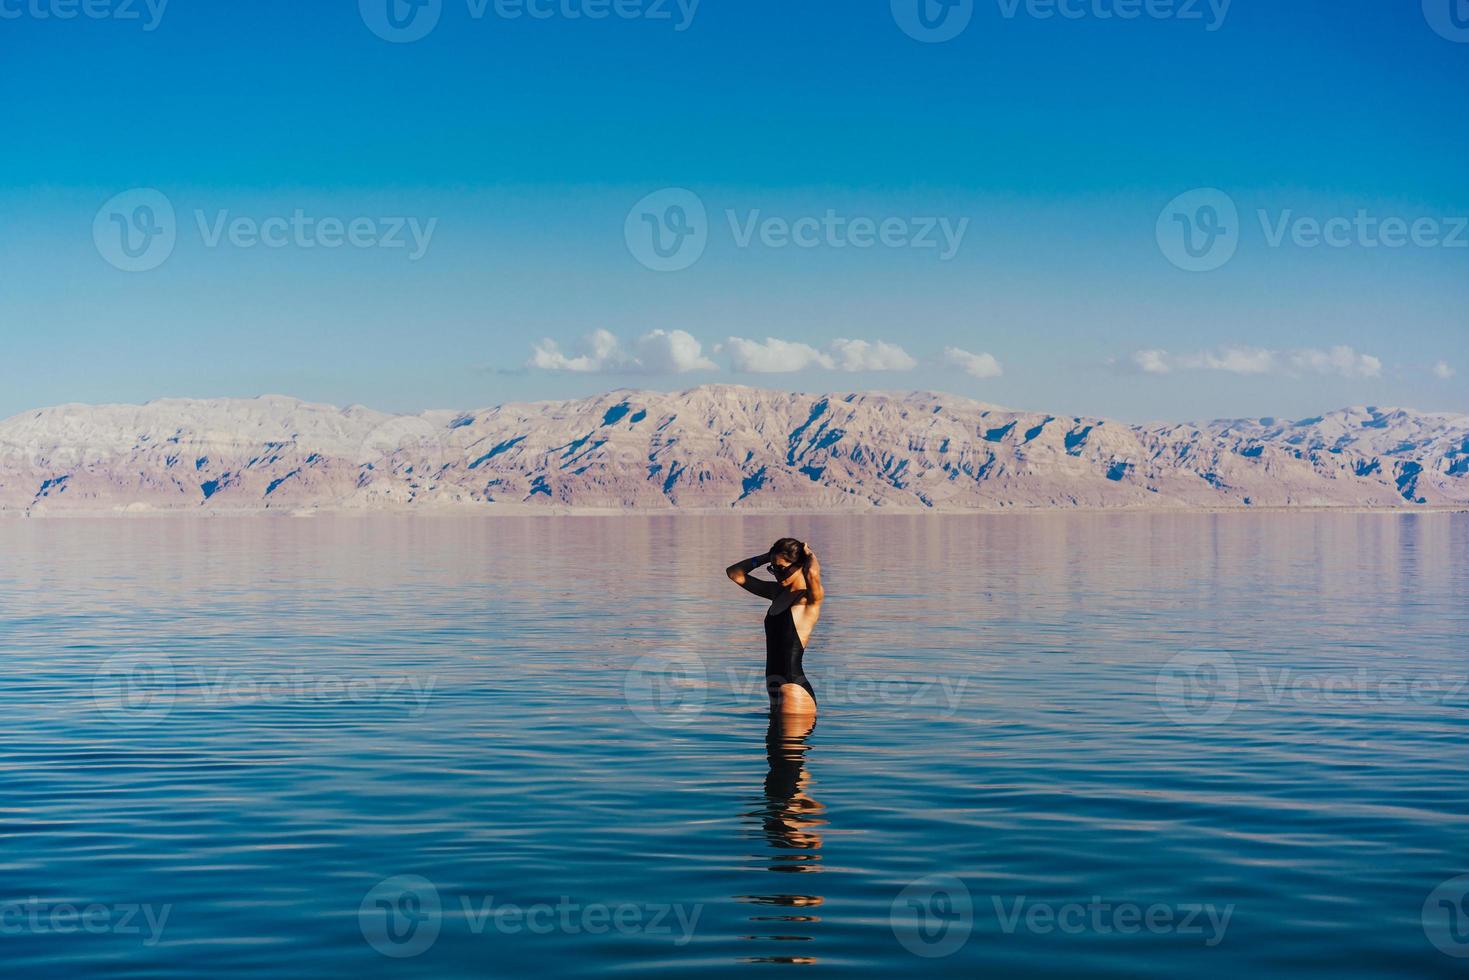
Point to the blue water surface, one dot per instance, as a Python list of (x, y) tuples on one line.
[(1048, 746)]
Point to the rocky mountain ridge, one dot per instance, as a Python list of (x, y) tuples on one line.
[(717, 447)]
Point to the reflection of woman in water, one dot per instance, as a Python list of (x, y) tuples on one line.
[(795, 604), (790, 821), (791, 817)]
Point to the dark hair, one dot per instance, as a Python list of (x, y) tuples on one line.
[(792, 550)]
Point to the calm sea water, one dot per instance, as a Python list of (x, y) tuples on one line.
[(1049, 746)]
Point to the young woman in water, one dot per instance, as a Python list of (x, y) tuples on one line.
[(795, 604)]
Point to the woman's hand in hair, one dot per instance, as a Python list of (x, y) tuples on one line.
[(814, 591)]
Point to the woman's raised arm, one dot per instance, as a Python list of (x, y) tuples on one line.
[(814, 591), (739, 574)]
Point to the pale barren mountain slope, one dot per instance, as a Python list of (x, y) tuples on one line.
[(715, 447)]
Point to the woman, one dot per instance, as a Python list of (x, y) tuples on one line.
[(795, 604)]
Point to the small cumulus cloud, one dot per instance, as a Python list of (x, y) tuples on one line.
[(877, 355), (1341, 361), (1234, 360), (601, 351), (972, 364), (1153, 361), (655, 352), (776, 356), (672, 352), (1443, 370)]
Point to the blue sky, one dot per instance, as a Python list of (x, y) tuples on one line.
[(1055, 151)]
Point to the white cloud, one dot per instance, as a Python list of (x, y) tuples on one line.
[(658, 352), (602, 352), (974, 365), (878, 355), (1152, 361), (1240, 360), (776, 356), (672, 352), (1340, 360), (1235, 360), (1443, 371)]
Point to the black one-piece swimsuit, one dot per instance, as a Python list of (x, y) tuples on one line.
[(783, 653)]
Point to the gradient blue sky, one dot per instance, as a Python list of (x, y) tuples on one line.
[(529, 141)]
